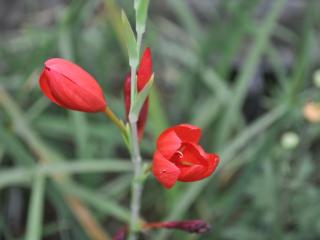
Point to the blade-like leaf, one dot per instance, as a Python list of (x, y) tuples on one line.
[(141, 15), (140, 99), (22, 175), (130, 40), (34, 226), (103, 204)]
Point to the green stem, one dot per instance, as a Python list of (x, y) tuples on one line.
[(136, 190), (136, 184), (139, 41), (133, 77), (116, 120)]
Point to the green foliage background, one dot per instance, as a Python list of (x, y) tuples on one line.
[(262, 189)]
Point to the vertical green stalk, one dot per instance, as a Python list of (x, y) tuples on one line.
[(141, 8), (136, 190)]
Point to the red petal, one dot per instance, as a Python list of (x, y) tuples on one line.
[(164, 170), (127, 93), (191, 174), (195, 156), (145, 69), (213, 161), (142, 120), (204, 164), (168, 143), (188, 132), (78, 76), (193, 153), (44, 81)]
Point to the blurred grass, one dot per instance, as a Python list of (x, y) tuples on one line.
[(261, 190), (34, 227)]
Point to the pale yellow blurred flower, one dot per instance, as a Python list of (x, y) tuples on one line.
[(316, 78), (290, 140), (311, 112)]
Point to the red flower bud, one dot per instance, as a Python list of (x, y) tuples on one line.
[(145, 70), (191, 226), (144, 74), (121, 234), (71, 87), (179, 157)]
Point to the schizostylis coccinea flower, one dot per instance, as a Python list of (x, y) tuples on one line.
[(179, 157), (70, 86)]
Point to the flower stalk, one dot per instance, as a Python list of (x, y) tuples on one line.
[(136, 188), (137, 185), (111, 115)]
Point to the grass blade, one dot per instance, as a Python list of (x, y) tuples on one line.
[(243, 81), (130, 40), (101, 203), (34, 225), (22, 175)]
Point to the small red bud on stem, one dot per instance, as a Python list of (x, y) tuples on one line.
[(121, 234), (191, 226)]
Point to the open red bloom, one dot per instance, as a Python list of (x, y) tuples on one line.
[(70, 86), (144, 74), (179, 157)]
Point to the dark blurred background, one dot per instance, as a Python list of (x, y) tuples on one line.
[(246, 71)]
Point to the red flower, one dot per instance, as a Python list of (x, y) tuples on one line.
[(144, 74), (191, 226), (70, 86), (179, 157)]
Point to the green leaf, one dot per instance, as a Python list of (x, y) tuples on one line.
[(140, 99), (87, 166), (34, 226), (141, 14), (22, 175), (101, 203), (15, 177), (136, 4), (130, 40)]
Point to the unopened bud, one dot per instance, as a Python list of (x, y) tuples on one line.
[(121, 234), (191, 226)]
